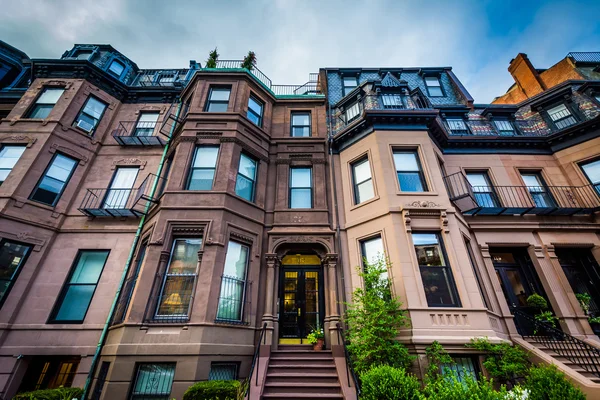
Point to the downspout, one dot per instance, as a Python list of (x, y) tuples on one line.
[(136, 239), (335, 201)]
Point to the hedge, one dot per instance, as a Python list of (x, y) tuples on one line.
[(213, 390), (51, 394)]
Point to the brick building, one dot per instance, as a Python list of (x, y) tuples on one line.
[(182, 217)]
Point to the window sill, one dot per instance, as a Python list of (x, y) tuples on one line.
[(400, 193), (230, 322), (364, 203)]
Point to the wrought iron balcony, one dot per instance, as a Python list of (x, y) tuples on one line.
[(140, 133), (161, 78), (114, 202), (520, 200)]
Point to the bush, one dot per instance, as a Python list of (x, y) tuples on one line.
[(389, 383), (503, 361), (546, 382), (436, 357), (450, 388), (537, 301), (213, 390), (374, 319), (51, 394)]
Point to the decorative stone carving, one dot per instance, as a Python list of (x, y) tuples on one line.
[(164, 256), (246, 148), (243, 238), (54, 147), (26, 237), (423, 203), (27, 140), (129, 161)]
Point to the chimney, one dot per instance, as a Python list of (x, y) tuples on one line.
[(525, 76)]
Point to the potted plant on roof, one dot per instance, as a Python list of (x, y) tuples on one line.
[(317, 338), (213, 57), (249, 61)]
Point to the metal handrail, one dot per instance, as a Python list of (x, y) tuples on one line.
[(349, 368), (256, 360), (575, 350)]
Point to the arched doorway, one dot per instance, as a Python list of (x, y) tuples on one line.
[(301, 297)]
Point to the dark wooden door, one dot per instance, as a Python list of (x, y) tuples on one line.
[(301, 302)]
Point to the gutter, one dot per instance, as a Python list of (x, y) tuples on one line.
[(104, 334)]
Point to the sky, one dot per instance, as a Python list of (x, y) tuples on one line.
[(292, 38)]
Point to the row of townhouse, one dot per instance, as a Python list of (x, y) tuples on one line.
[(197, 221)]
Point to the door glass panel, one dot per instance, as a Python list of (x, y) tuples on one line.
[(516, 283), (311, 305), (289, 326)]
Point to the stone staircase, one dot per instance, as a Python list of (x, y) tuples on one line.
[(572, 357), (298, 372)]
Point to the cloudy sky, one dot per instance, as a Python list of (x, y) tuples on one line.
[(294, 37)]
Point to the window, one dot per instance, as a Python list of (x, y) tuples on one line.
[(475, 271), (45, 103), (561, 116), (97, 393), (49, 372), (129, 286), (9, 155), (76, 295), (392, 101), (537, 189), (255, 110), (591, 170), (83, 55), (300, 187), (116, 68), (504, 127), (362, 181), (350, 82), (12, 258), (90, 115), (301, 124), (146, 123), (484, 193), (457, 126), (438, 281), (119, 192), (55, 179), (434, 87), (178, 286), (408, 168), (153, 381), (372, 250), (222, 371), (352, 112), (246, 178), (218, 99), (462, 368), (233, 282), (203, 168)]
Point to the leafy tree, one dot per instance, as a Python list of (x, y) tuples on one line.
[(213, 56), (374, 319), (249, 61), (503, 361), (436, 356)]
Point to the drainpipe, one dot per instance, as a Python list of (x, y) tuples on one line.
[(136, 239), (335, 202)]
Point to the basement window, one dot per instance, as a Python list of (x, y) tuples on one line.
[(223, 371)]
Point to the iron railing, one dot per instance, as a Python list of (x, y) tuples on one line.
[(161, 77), (349, 367), (234, 301), (511, 200), (564, 345), (116, 202), (236, 64), (256, 360), (171, 299), (139, 133)]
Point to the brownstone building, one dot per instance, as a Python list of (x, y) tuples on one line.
[(161, 227)]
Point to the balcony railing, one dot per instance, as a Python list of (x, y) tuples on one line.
[(520, 200), (161, 78), (139, 133), (116, 202), (234, 301), (171, 300)]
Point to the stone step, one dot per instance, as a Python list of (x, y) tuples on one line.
[(315, 361), (301, 396), (303, 367), (296, 347), (301, 353), (312, 387), (305, 377)]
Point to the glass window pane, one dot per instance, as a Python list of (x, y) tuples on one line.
[(244, 187), (532, 180), (253, 117), (116, 68), (61, 168), (365, 191), (236, 260), (362, 171), (3, 174), (373, 250), (50, 96), (220, 94), (504, 126), (406, 161), (176, 295), (89, 267), (410, 182), (148, 118), (437, 283), (223, 372), (9, 155), (41, 111), (300, 119), (435, 91), (301, 177), (184, 258), (153, 380), (83, 55), (75, 303), (429, 252), (206, 156), (592, 170), (51, 185), (350, 81), (11, 257), (301, 198), (432, 81), (302, 131), (247, 167), (217, 107), (124, 178), (201, 179), (558, 112), (255, 106), (94, 107), (457, 124)]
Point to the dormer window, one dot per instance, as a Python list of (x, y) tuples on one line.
[(352, 112), (116, 68), (504, 127), (83, 55), (392, 101), (350, 82), (561, 116), (434, 87), (457, 126)]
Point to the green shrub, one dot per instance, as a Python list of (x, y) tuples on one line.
[(546, 382), (436, 356), (374, 319), (450, 388), (213, 390), (51, 394), (584, 300), (503, 361), (537, 301), (389, 383)]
